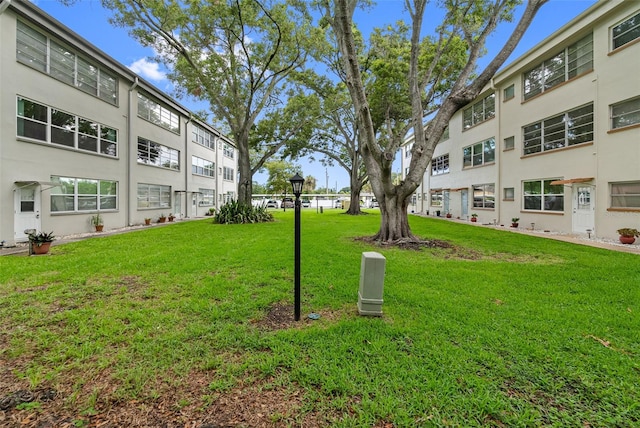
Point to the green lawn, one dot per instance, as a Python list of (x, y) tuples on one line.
[(503, 330)]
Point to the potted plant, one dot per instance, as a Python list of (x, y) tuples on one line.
[(628, 235), (147, 221), (97, 222), (448, 215), (40, 242), (514, 221), (474, 217), (162, 218), (171, 217)]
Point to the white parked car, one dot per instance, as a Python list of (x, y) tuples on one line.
[(374, 203)]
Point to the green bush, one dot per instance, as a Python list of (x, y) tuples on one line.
[(234, 212)]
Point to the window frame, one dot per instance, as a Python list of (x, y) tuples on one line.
[(440, 165), (147, 192), (635, 112), (106, 137), (545, 76), (203, 167), (203, 137), (165, 157), (614, 197), (486, 195), (227, 173), (635, 28), (75, 196), (46, 62), (537, 132), (479, 112), (468, 160), (157, 113), (545, 197)]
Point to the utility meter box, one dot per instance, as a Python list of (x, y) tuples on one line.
[(371, 283)]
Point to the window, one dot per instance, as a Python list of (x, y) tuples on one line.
[(155, 154), (152, 111), (626, 113), (440, 165), (509, 143), (63, 64), (484, 195), (445, 135), (565, 65), (479, 153), (563, 130), (436, 198), (46, 124), (154, 196), (508, 194), (227, 173), (31, 47), (482, 110), (541, 195), (508, 93), (207, 197), (201, 166), (407, 150), (204, 137), (626, 32), (80, 194), (625, 195), (228, 150)]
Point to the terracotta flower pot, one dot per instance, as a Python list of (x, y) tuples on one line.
[(627, 239), (42, 248), (474, 219), (99, 227)]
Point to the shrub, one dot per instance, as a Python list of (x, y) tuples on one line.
[(234, 212)]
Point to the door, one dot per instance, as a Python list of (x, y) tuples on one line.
[(445, 201), (464, 196), (583, 209), (27, 211)]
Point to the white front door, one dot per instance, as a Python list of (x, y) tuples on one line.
[(583, 209), (27, 211)]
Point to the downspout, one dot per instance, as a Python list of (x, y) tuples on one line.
[(497, 191), (186, 169), (130, 149), (4, 5)]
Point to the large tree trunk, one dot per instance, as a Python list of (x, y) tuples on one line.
[(356, 187), (245, 175), (394, 222)]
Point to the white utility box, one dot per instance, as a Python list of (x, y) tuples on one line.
[(371, 283)]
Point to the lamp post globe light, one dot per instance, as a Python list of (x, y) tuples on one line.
[(296, 183)]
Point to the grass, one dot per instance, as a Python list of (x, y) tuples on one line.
[(503, 330)]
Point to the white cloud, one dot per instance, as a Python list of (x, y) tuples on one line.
[(148, 70)]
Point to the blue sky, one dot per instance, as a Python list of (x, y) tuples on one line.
[(90, 20)]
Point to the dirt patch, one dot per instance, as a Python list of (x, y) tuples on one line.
[(190, 404), (280, 316), (406, 244)]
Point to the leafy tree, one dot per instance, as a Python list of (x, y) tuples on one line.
[(310, 184), (280, 172), (235, 54), (438, 82), (335, 135)]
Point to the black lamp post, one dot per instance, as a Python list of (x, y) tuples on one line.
[(296, 183)]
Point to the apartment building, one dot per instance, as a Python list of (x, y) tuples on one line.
[(81, 133), (554, 140)]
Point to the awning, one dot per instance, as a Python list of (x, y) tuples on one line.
[(25, 183), (572, 180)]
